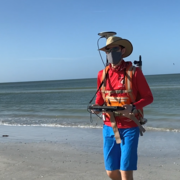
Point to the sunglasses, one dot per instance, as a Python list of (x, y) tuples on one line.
[(108, 50)]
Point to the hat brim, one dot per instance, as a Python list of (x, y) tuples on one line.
[(122, 42)]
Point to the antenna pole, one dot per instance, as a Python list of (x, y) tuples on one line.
[(139, 63)]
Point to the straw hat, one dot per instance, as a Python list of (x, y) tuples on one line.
[(114, 40)]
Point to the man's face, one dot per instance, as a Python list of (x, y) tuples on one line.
[(116, 47)]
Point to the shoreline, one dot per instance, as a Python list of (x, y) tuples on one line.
[(89, 126), (75, 153)]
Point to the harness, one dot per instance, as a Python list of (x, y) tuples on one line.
[(111, 98)]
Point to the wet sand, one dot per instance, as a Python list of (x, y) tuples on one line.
[(47, 153)]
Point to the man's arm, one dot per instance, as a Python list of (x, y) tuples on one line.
[(143, 90), (99, 99)]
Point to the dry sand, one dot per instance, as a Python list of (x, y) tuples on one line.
[(31, 153)]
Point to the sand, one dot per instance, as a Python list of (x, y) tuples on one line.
[(31, 153)]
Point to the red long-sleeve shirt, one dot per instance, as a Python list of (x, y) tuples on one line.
[(114, 81)]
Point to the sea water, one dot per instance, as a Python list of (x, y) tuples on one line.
[(64, 103)]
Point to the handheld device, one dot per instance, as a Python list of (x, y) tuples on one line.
[(106, 108)]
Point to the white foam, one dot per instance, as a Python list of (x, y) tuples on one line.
[(86, 126), (162, 129), (53, 125)]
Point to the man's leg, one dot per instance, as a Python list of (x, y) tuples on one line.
[(127, 175), (129, 155), (114, 175), (112, 153), (120, 175)]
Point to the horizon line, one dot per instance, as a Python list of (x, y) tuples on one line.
[(71, 79)]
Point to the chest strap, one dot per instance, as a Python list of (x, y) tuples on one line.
[(116, 91)]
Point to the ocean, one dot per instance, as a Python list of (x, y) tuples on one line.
[(63, 103)]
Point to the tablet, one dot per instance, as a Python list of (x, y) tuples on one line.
[(106, 108)]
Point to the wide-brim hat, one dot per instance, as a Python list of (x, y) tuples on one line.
[(114, 40)]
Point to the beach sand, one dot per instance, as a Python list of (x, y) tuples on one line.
[(31, 153)]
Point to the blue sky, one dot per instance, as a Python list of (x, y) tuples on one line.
[(56, 39)]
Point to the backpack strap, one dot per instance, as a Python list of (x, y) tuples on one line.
[(129, 74), (128, 81), (104, 76), (114, 127)]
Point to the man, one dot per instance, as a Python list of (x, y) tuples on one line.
[(123, 85)]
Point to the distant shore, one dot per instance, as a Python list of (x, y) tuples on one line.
[(47, 153)]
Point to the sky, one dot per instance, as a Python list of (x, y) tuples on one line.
[(57, 39)]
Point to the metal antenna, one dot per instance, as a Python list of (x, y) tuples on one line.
[(107, 34), (139, 63)]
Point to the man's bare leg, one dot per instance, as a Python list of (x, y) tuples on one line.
[(120, 175), (127, 175), (114, 175)]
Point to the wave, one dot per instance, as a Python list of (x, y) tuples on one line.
[(162, 129), (87, 126), (47, 91), (165, 87), (53, 125)]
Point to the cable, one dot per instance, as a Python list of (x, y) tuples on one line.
[(99, 50), (91, 120)]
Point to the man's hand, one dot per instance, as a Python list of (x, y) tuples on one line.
[(94, 111), (127, 111)]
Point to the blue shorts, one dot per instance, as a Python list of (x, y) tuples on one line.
[(120, 156)]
